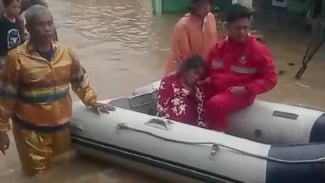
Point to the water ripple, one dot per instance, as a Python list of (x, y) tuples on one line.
[(106, 21)]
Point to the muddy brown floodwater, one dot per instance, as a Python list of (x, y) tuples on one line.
[(123, 46)]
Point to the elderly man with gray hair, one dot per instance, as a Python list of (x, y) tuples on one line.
[(25, 4), (34, 93)]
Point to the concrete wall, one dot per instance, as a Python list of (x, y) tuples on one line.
[(247, 3)]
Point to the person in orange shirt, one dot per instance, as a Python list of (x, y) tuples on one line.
[(194, 34)]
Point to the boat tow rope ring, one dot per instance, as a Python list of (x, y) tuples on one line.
[(217, 146)]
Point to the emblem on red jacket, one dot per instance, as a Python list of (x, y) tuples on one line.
[(243, 59), (217, 64)]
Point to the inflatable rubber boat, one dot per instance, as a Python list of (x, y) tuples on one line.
[(265, 143)]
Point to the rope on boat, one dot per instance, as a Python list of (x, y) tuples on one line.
[(312, 50), (215, 147)]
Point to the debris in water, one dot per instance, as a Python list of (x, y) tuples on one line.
[(302, 85), (281, 72)]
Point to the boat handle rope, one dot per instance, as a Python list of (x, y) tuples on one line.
[(216, 147)]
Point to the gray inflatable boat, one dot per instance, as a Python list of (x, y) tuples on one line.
[(266, 142)]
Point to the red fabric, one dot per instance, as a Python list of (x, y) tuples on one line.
[(249, 64), (220, 105), (178, 103)]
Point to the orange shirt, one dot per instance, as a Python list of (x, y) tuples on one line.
[(191, 37)]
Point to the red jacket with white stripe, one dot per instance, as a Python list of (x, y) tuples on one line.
[(249, 64)]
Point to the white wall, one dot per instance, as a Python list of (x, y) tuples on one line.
[(247, 3)]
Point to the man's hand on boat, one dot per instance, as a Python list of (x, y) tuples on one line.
[(102, 108), (4, 142)]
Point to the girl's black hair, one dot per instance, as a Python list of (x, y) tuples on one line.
[(198, 1), (194, 2), (194, 62), (8, 2), (236, 12)]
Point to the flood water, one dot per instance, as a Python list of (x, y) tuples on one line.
[(123, 46)]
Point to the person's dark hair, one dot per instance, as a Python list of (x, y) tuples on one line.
[(8, 2), (199, 1), (25, 4), (236, 12), (194, 62), (195, 2)]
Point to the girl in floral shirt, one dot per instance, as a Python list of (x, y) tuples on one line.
[(180, 98)]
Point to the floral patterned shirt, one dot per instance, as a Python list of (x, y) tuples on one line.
[(177, 102)]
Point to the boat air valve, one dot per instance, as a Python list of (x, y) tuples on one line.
[(122, 126), (215, 148), (258, 133)]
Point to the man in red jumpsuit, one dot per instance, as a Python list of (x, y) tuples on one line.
[(240, 68)]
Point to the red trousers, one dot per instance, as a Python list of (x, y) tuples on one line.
[(220, 105)]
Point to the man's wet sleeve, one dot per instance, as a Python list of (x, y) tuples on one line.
[(80, 83), (8, 90), (267, 76)]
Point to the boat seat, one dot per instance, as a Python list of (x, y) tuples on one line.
[(121, 102), (145, 103)]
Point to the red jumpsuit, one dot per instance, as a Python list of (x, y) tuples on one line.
[(248, 64)]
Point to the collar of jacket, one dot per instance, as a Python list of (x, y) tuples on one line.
[(31, 49)]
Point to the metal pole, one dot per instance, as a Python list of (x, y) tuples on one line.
[(158, 7)]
